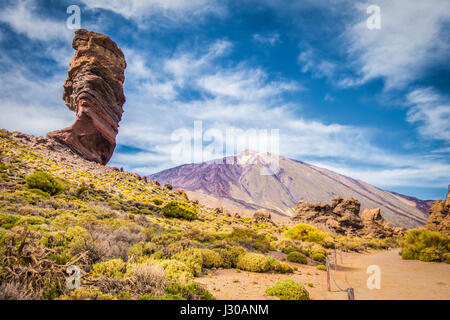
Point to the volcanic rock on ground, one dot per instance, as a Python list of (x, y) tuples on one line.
[(94, 90), (439, 219), (343, 216), (262, 216)]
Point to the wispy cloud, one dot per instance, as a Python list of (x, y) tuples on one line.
[(173, 10), (320, 68), (241, 96), (23, 19), (432, 113), (411, 36), (271, 39)]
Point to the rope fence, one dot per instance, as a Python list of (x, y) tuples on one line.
[(330, 276)]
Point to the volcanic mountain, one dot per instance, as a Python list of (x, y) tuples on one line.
[(248, 182)]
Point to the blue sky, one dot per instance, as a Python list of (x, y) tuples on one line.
[(371, 104)]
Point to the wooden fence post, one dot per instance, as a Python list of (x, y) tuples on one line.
[(351, 294), (335, 260), (340, 253), (327, 262)]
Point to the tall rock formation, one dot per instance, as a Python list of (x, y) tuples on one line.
[(439, 219), (94, 90)]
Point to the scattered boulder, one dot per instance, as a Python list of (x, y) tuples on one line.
[(94, 91), (262, 215), (439, 218), (218, 210), (375, 225), (236, 215)]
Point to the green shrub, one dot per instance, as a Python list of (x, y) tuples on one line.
[(319, 257), (111, 268), (192, 258), (211, 258), (297, 257), (170, 296), (230, 255), (288, 290), (168, 187), (193, 291), (254, 262), (176, 270), (408, 254), (7, 221), (321, 267), (178, 209), (142, 249), (278, 266), (157, 201), (87, 294), (430, 254), (45, 182), (305, 232), (40, 193), (425, 245)]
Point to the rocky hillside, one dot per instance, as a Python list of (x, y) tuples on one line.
[(236, 184), (131, 238)]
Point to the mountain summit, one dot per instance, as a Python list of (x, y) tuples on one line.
[(252, 180)]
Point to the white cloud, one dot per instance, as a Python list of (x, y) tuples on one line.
[(411, 36), (421, 173), (30, 104), (320, 68), (241, 96), (432, 112), (171, 9), (23, 19), (270, 39)]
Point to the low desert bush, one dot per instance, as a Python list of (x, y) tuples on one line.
[(147, 278), (288, 290), (230, 256), (176, 270), (277, 266), (7, 221), (192, 258), (45, 182), (321, 267), (87, 294), (157, 201), (305, 232), (319, 257), (192, 291), (211, 258), (425, 245), (297, 257), (111, 268), (254, 262), (178, 209)]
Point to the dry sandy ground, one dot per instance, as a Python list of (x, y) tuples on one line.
[(400, 279)]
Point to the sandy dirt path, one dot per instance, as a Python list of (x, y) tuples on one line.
[(400, 279)]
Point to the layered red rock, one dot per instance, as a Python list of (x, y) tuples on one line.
[(439, 219), (343, 216), (94, 90)]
